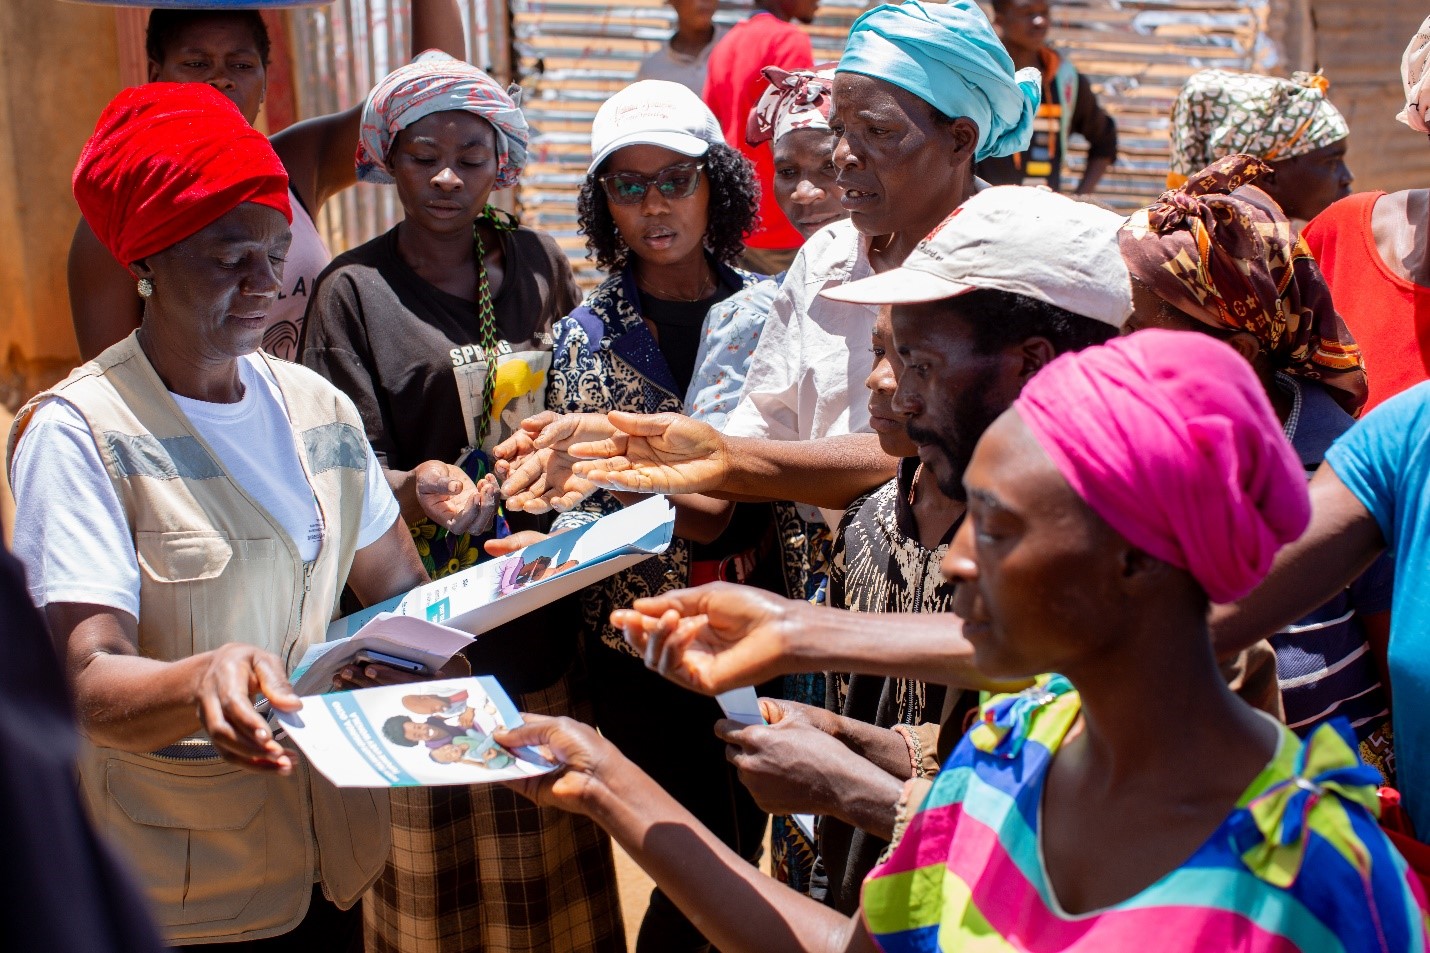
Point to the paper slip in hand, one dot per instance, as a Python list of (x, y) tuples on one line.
[(426, 645), (419, 734), (742, 705)]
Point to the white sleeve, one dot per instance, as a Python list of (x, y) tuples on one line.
[(379, 506), (70, 529), (769, 402)]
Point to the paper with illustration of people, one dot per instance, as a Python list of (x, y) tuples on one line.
[(500, 590), (419, 734)]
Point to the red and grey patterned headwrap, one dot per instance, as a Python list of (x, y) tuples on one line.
[(1222, 250), (436, 82), (795, 100)]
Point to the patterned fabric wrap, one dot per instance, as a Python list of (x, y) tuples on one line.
[(1171, 439), (1299, 864), (948, 55), (1415, 74), (1220, 113), (436, 82), (605, 359), (1223, 251), (482, 868), (800, 99), (167, 160)]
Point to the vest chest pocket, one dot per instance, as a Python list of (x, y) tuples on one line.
[(193, 582)]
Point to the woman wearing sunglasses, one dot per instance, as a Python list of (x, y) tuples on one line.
[(664, 208)]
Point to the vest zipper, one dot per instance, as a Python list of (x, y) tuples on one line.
[(187, 751), (308, 568)]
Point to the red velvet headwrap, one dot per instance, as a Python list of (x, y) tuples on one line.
[(168, 160)]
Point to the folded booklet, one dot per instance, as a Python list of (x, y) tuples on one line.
[(420, 734), (500, 590), (400, 641)]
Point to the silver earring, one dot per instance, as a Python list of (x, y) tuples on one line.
[(146, 288)]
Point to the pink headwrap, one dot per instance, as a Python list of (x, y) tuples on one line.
[(1169, 437)]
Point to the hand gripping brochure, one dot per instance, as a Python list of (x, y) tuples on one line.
[(419, 734)]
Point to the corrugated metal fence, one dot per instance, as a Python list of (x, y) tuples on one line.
[(571, 55)]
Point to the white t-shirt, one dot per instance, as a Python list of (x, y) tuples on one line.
[(806, 377), (70, 528)]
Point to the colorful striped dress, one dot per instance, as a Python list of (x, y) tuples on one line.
[(1300, 864)]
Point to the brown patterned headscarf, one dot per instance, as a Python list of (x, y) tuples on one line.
[(1222, 250)]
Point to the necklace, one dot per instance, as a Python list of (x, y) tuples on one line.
[(486, 316), (707, 288), (914, 484)]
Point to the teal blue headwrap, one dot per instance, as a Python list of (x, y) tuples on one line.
[(948, 55)]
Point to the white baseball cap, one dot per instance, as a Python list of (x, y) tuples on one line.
[(653, 112), (1014, 238)]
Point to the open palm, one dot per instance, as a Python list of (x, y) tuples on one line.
[(655, 453), (537, 467), (711, 639)]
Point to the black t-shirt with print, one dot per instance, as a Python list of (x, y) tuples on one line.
[(396, 344)]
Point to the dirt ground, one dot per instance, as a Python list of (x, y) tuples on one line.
[(635, 888)]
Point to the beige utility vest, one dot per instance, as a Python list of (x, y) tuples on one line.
[(225, 853)]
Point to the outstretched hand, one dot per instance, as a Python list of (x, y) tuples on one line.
[(654, 453), (714, 638), (536, 467), (450, 499), (585, 760)]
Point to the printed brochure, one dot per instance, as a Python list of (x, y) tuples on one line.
[(419, 734)]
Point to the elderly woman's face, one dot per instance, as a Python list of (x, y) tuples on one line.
[(658, 230), (214, 289), (895, 160), (445, 165), (220, 51), (1036, 569)]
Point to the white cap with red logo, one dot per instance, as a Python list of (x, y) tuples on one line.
[(653, 112), (1027, 241)]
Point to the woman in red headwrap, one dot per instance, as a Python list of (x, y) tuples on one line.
[(1219, 257), (188, 512), (228, 49)]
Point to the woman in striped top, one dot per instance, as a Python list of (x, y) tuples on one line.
[(1131, 802)]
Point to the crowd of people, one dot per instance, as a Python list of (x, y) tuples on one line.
[(1148, 552)]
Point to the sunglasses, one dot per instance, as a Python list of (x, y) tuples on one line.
[(672, 182)]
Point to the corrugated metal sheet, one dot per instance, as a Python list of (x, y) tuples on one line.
[(339, 51), (573, 54), (1359, 46), (1137, 56)]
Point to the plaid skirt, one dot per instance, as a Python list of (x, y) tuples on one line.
[(481, 868)]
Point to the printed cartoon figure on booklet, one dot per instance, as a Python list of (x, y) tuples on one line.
[(518, 573), (451, 730)]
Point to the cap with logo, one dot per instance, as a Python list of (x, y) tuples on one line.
[(1027, 241), (653, 112)]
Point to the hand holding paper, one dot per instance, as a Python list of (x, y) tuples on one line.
[(425, 733)]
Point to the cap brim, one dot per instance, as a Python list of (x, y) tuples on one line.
[(900, 286), (681, 142)]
